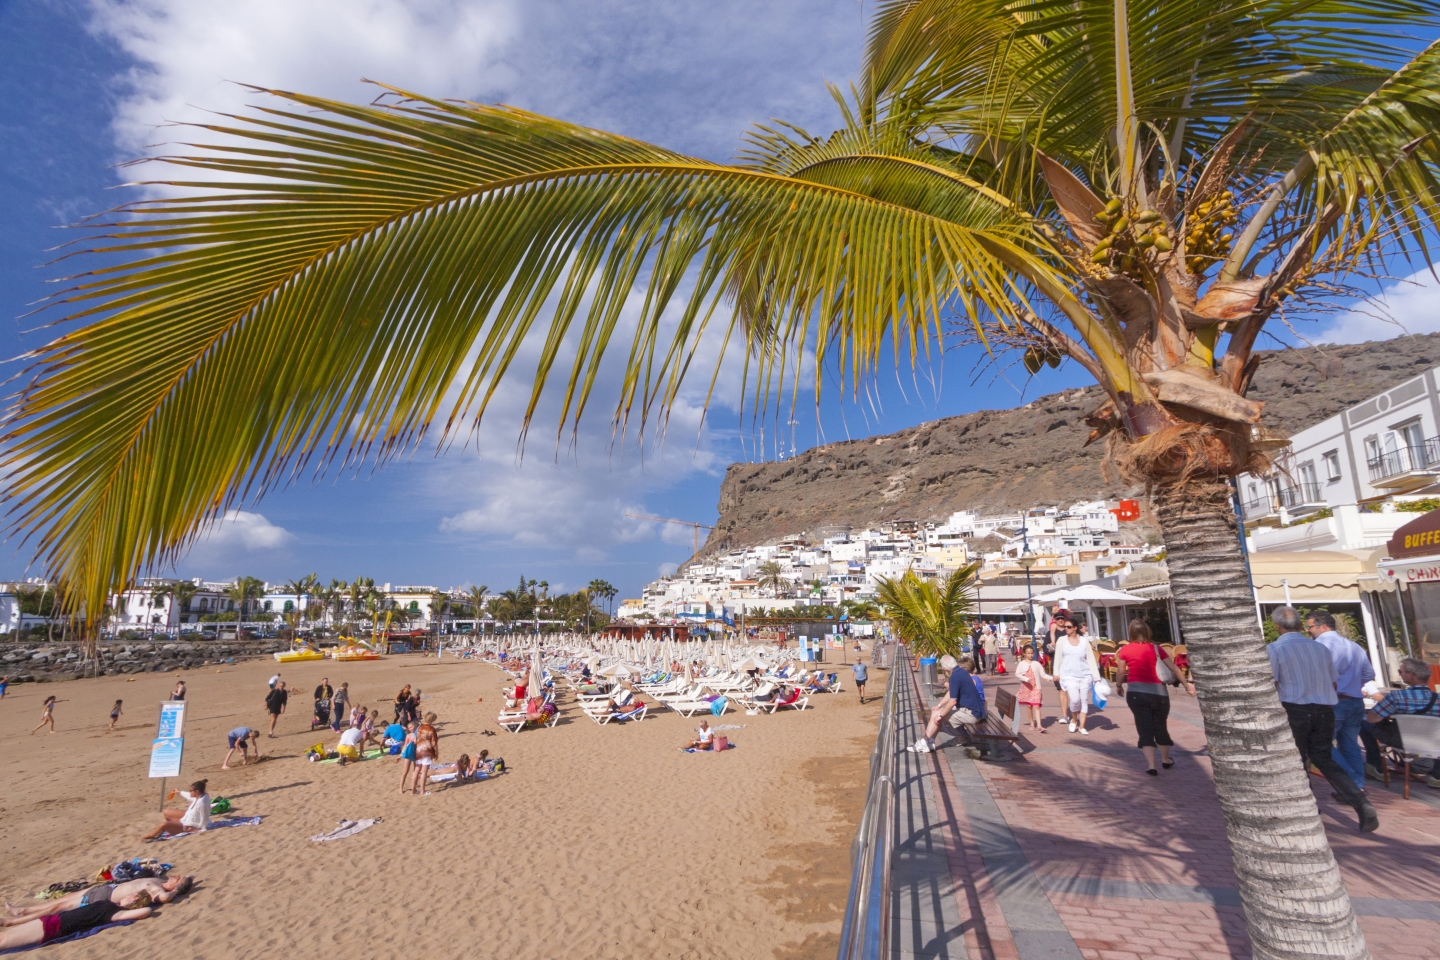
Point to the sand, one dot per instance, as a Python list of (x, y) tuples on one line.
[(603, 842)]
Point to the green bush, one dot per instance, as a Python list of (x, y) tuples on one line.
[(1419, 506)]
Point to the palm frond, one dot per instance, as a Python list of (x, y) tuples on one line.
[(347, 269), (931, 617)]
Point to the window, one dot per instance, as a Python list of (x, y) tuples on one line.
[(1310, 486), (1332, 465), (1413, 434), (1372, 450)]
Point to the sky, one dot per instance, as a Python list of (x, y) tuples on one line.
[(92, 83)]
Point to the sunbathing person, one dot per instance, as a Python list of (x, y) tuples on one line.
[(192, 819), (126, 894), (818, 683), (788, 695), (704, 740), (63, 924)]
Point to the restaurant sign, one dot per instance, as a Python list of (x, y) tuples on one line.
[(1418, 538), (1428, 572)]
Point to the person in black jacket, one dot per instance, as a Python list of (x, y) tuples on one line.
[(275, 703)]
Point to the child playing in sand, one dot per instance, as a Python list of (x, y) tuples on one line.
[(115, 714), (47, 714)]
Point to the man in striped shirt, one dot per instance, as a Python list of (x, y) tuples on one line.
[(1305, 679)]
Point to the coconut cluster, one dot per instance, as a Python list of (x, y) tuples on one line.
[(1132, 241), (1207, 239)]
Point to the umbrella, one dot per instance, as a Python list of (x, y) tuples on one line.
[(751, 663), (1089, 593), (535, 685), (616, 669)]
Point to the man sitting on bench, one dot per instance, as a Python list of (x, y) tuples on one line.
[(963, 698)]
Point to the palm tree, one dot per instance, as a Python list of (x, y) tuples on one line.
[(243, 592), (184, 591), (772, 577), (930, 616), (439, 607), (303, 589), (476, 597), (1136, 186)]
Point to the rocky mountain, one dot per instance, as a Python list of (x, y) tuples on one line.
[(1035, 455)]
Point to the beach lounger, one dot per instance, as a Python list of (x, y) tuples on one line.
[(515, 722), (688, 708), (602, 718)]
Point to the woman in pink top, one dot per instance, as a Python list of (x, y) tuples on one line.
[(1030, 674)]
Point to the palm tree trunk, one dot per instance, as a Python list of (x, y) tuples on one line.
[(1294, 899)]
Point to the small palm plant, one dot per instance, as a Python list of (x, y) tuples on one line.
[(930, 616)]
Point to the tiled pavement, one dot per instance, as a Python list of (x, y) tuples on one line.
[(1042, 862)]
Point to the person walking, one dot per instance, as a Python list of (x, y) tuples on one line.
[(47, 715), (275, 702), (1138, 680), (1077, 670), (1352, 671), (1305, 678), (179, 692), (992, 649), (115, 713), (1032, 695), (861, 675)]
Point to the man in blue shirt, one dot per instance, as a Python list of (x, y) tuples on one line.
[(963, 698), (1352, 671), (1305, 678), (1415, 697), (861, 674)]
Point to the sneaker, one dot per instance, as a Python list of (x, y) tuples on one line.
[(1074, 726), (1372, 773), (1084, 732), (1369, 819), (920, 746)]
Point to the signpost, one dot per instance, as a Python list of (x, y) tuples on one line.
[(168, 747)]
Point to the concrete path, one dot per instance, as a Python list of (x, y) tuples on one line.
[(1042, 862)]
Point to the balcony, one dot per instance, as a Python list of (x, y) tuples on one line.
[(1406, 467), (1294, 501)]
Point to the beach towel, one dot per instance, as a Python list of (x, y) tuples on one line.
[(347, 828), (215, 825), (448, 777), (367, 755), (81, 935), (698, 750)]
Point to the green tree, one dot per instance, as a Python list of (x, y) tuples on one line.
[(1136, 186), (243, 593), (770, 575), (931, 616)]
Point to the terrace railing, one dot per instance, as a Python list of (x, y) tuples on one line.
[(866, 931)]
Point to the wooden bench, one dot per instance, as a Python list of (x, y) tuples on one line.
[(997, 729)]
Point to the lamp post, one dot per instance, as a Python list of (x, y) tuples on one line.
[(1027, 560)]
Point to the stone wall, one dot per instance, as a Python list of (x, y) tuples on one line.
[(25, 662)]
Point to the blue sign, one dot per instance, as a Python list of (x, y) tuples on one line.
[(172, 719), (165, 756)]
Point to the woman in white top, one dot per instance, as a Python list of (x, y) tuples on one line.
[(1077, 669), (192, 819)]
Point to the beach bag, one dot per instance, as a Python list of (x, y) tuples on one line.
[(1162, 668), (219, 805), (1099, 693), (999, 665), (718, 707), (722, 743)]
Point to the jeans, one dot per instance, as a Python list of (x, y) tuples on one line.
[(1349, 715), (1313, 726)]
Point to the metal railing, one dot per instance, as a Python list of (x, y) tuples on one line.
[(866, 931), (1269, 503), (1406, 459)]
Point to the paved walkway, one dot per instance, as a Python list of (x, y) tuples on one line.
[(1041, 863)]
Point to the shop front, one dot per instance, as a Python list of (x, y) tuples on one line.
[(1407, 594)]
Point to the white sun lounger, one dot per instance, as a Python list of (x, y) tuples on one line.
[(604, 717), (515, 722), (688, 708)]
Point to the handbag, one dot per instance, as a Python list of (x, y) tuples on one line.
[(721, 743), (1162, 668)]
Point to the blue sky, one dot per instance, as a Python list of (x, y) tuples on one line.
[(91, 82)]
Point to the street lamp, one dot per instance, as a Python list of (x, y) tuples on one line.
[(1028, 560)]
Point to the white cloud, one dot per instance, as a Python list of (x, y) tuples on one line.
[(242, 530), (1407, 306), (191, 57), (666, 569)]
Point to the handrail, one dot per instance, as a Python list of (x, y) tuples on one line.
[(865, 934)]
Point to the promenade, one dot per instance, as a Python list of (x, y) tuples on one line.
[(1070, 851)]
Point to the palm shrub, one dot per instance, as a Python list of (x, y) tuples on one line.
[(930, 616), (1134, 186)]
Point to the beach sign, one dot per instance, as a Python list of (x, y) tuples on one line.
[(172, 719), (168, 746), (165, 755)]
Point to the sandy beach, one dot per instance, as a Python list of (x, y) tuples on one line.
[(600, 841)]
